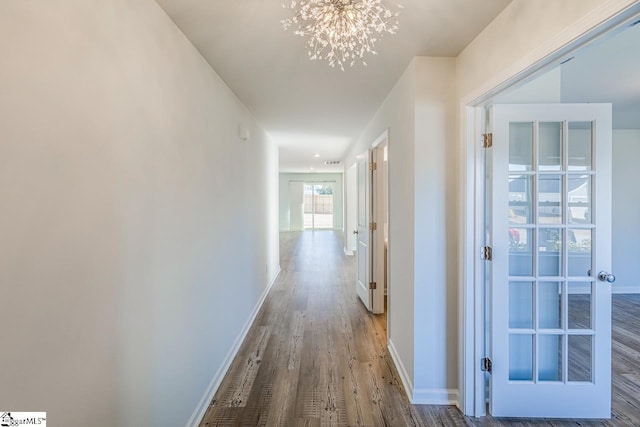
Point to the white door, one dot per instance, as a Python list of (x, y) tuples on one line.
[(362, 231), (550, 231)]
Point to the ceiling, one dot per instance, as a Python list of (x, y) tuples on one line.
[(307, 107)]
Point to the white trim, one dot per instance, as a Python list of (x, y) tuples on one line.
[(203, 405), (404, 377), (348, 252), (381, 138), (435, 396), (606, 17), (625, 289), (472, 315)]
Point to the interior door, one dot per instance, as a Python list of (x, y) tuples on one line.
[(550, 228), (363, 233)]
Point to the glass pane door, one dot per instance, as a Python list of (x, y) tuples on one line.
[(545, 294), (550, 258), (318, 205)]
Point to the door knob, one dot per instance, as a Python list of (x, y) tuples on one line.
[(355, 231), (603, 276)]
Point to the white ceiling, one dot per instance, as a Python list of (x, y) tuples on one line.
[(306, 106)]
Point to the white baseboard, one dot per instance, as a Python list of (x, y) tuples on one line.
[(625, 289), (348, 252), (404, 377), (435, 397), (201, 409), (421, 396)]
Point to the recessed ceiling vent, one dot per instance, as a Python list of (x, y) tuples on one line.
[(332, 162)]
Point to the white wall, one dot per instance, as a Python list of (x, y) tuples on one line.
[(626, 211), (436, 224), (546, 88), (338, 201), (295, 207), (397, 114), (420, 115), (135, 244)]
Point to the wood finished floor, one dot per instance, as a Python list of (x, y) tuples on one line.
[(315, 357)]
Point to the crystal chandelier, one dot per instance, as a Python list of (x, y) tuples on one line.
[(341, 31)]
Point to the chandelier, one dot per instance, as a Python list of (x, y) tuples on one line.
[(341, 31)]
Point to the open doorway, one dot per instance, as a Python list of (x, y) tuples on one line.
[(318, 206), (602, 72), (372, 198), (381, 218)]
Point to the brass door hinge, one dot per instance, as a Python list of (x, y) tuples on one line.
[(373, 167), (486, 365), (373, 285), (373, 226), (487, 140)]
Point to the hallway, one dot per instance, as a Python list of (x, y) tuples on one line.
[(315, 357)]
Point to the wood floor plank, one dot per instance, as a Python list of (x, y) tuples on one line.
[(315, 357), (238, 393)]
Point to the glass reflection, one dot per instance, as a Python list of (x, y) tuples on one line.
[(579, 199), (520, 189), (520, 252), (549, 252), (520, 146), (580, 140), (550, 199), (550, 146)]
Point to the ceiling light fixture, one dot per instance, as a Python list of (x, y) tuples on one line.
[(341, 31), (316, 155)]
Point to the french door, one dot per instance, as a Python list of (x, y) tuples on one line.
[(549, 286)]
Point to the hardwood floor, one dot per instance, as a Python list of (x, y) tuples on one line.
[(316, 357)]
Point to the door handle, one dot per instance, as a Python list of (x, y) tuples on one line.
[(355, 231), (603, 276)]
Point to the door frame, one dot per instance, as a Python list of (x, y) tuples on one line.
[(377, 258), (472, 380)]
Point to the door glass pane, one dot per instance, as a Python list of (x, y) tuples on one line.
[(579, 305), (580, 358), (550, 357), (549, 251), (550, 146), (520, 146), (550, 199), (520, 252), (520, 357), (579, 199), (579, 243), (520, 187), (323, 206), (549, 305), (308, 206), (580, 140), (521, 305)]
